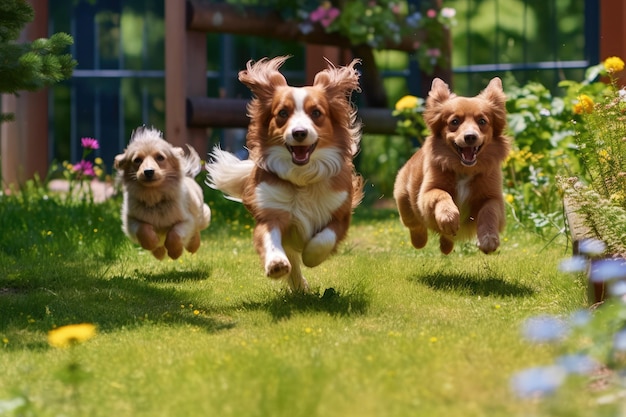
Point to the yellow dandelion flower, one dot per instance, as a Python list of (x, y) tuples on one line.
[(98, 161), (70, 335), (509, 198), (613, 64), (407, 103), (585, 104)]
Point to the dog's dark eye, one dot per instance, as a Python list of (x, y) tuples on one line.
[(137, 161), (316, 113), (283, 113), (160, 158), (455, 122), (482, 121)]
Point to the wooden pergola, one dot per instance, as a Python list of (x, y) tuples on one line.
[(24, 142)]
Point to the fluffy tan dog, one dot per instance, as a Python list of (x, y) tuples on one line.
[(163, 208), (453, 184)]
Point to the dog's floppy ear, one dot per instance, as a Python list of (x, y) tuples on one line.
[(439, 94), (119, 162), (494, 92), (339, 81), (262, 77), (497, 99)]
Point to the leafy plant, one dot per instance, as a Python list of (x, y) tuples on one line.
[(598, 190)]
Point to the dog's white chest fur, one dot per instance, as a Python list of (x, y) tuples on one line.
[(463, 189), (311, 207)]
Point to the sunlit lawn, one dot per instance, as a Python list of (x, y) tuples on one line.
[(387, 330)]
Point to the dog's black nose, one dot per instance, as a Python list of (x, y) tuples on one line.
[(149, 173), (299, 134), (470, 138)]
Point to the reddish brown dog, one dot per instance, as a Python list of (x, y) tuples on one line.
[(453, 184)]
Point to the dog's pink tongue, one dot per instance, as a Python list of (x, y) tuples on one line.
[(300, 154), (469, 154)]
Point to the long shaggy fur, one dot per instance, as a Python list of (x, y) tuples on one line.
[(453, 184), (163, 208), (299, 182)]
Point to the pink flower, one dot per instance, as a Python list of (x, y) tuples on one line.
[(89, 143), (448, 12), (324, 15), (84, 168), (433, 52), (432, 13)]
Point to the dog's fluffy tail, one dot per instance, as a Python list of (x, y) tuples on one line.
[(228, 173)]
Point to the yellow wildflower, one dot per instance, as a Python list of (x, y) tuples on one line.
[(407, 103), (70, 335), (585, 104), (509, 198), (613, 64)]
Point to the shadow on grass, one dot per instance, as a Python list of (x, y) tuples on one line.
[(336, 303), (473, 285), (38, 299)]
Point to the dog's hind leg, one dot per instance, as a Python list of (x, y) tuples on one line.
[(408, 217), (445, 244), (194, 243), (159, 252), (296, 281)]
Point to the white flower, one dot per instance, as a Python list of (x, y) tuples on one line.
[(448, 12)]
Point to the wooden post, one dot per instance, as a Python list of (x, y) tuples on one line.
[(613, 31), (185, 76), (24, 144)]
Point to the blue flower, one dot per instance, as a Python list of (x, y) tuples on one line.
[(607, 270), (580, 318), (573, 264), (592, 247), (618, 288), (538, 381), (544, 328), (619, 341), (577, 363)]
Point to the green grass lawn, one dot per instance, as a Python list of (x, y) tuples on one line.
[(386, 331)]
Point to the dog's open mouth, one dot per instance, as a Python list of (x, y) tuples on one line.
[(300, 155), (468, 154)]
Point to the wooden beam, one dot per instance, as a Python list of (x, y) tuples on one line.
[(185, 75), (204, 112), (613, 31)]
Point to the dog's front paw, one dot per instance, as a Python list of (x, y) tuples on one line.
[(448, 219), (173, 244), (147, 237), (277, 266), (488, 243), (319, 248)]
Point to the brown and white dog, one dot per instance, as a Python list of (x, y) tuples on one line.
[(453, 184), (299, 182), (163, 208)]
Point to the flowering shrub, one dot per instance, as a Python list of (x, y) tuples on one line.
[(409, 111), (598, 189), (380, 22), (80, 174)]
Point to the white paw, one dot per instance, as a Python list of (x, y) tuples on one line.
[(319, 248), (277, 266)]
